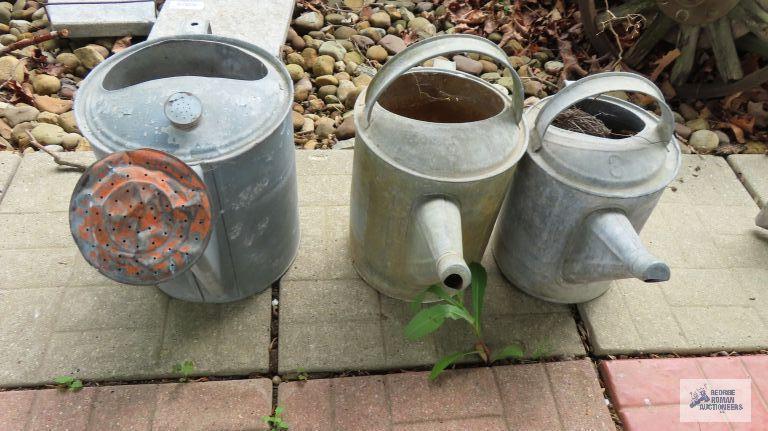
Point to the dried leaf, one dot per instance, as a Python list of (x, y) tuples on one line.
[(664, 62), (738, 132), (728, 101), (21, 93), (121, 44), (746, 122)]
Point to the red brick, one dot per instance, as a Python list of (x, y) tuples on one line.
[(307, 405), (666, 418), (757, 366), (475, 424), (56, 409), (647, 382), (578, 395), (14, 409), (222, 405), (527, 397), (127, 408), (360, 403), (456, 394)]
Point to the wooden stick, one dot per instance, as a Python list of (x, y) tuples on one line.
[(728, 63), (654, 32), (56, 158), (35, 40), (683, 65)]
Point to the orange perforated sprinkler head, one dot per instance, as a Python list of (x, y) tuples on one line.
[(140, 217)]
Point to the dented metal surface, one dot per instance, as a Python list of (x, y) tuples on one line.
[(140, 217), (570, 222), (434, 154)]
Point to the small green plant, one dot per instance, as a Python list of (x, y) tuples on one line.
[(302, 375), (185, 369), (430, 319), (69, 382), (275, 421)]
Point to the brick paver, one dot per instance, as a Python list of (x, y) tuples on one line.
[(331, 320), (753, 171), (60, 316), (222, 405), (551, 396), (705, 231), (646, 391), (8, 164)]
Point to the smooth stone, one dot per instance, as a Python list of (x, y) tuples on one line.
[(324, 65), (19, 133), (422, 27), (325, 127), (362, 42), (704, 141), (353, 57), (53, 104), (310, 56), (532, 87), (373, 33), (553, 67), (377, 53), (326, 80), (683, 130), (20, 113), (489, 66), (723, 137), (309, 21), (68, 60), (296, 41), (45, 84), (326, 90), (334, 18), (424, 6), (8, 39), (698, 124), (344, 32), (48, 134), (70, 141), (688, 112), (346, 129), (490, 76), (295, 58), (380, 20), (296, 71), (333, 49), (302, 89), (392, 44), (48, 117), (298, 120), (466, 64), (11, 68), (68, 123), (89, 57), (344, 89)]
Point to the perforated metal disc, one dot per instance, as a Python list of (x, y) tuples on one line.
[(140, 217)]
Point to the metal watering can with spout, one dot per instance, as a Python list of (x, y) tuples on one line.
[(434, 154), (195, 189), (571, 219)]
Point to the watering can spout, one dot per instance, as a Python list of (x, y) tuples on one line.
[(609, 248), (437, 224)]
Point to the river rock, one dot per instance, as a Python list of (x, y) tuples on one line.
[(532, 87), (48, 134), (89, 57), (553, 67), (296, 71), (11, 68), (334, 49), (70, 141), (326, 90), (373, 33), (688, 112), (466, 64), (326, 80), (683, 131), (298, 120), (301, 89), (324, 65), (310, 56), (343, 32), (392, 44), (380, 19), (704, 141), (362, 42), (309, 21), (8, 39), (347, 128), (722, 137), (48, 117), (20, 113), (68, 123), (344, 88), (52, 104), (45, 84), (68, 60), (377, 53), (422, 27), (698, 124)]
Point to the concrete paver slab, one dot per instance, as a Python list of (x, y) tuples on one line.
[(330, 320), (646, 392), (58, 315), (705, 231), (233, 404), (753, 171), (8, 163), (103, 18), (552, 396)]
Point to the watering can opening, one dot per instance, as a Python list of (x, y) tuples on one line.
[(618, 122), (184, 57), (441, 98)]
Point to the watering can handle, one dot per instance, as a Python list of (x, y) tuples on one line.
[(422, 51), (595, 85)]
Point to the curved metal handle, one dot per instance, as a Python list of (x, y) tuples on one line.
[(422, 51), (595, 85)]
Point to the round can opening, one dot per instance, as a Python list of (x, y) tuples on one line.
[(454, 281)]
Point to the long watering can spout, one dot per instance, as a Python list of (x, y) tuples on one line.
[(609, 248), (438, 225)]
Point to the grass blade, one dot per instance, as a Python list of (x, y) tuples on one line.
[(445, 362), (479, 281), (511, 351)]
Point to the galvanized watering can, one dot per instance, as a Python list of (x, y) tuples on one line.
[(195, 189), (434, 154), (570, 221)]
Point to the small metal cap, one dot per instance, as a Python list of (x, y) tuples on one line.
[(140, 217), (183, 110)]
